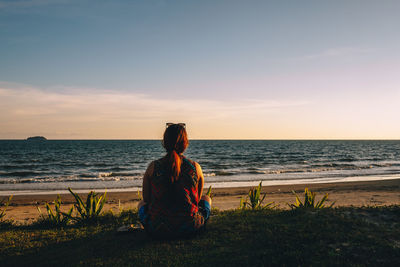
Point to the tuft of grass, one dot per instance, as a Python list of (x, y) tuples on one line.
[(209, 191), (56, 217), (3, 211), (90, 210), (120, 209), (254, 200), (310, 201)]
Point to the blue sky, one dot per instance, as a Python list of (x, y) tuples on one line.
[(230, 69)]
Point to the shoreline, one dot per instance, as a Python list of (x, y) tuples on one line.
[(222, 184), (23, 208)]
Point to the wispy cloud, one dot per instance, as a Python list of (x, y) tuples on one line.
[(336, 52), (27, 107), (33, 101)]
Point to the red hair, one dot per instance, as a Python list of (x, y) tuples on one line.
[(175, 142)]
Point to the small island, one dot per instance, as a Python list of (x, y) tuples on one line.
[(36, 138)]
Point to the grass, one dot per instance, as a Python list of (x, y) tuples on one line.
[(254, 199), (3, 210), (55, 217), (367, 236), (209, 193), (90, 210), (309, 201)]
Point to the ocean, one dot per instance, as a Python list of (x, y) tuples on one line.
[(55, 165)]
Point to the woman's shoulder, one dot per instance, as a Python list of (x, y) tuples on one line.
[(157, 164), (195, 165), (192, 162), (150, 168)]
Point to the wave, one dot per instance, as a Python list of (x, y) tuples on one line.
[(78, 178), (21, 173), (116, 169), (118, 174), (220, 173), (87, 175), (21, 166), (315, 168)]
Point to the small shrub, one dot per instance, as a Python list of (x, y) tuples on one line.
[(91, 210), (3, 211), (254, 200), (309, 201), (56, 217)]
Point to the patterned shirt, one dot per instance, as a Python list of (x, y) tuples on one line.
[(173, 209)]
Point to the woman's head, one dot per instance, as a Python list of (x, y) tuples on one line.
[(175, 141), (175, 138)]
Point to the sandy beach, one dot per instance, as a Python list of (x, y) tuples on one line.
[(23, 208)]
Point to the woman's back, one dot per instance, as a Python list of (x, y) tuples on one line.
[(172, 187), (173, 209)]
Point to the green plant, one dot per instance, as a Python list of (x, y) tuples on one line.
[(90, 210), (209, 191), (56, 217), (309, 201), (254, 200), (119, 209), (5, 203)]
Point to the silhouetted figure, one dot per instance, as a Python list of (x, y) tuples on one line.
[(172, 205)]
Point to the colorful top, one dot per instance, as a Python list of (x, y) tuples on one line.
[(173, 209)]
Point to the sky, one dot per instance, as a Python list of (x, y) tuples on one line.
[(228, 69)]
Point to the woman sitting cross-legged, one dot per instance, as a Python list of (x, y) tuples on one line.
[(172, 204)]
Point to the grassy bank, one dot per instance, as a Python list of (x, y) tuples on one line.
[(345, 236)]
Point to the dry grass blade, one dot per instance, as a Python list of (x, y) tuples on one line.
[(3, 211), (209, 191)]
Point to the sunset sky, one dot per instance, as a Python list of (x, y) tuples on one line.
[(229, 69)]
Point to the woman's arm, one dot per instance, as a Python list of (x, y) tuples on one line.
[(146, 189), (201, 179)]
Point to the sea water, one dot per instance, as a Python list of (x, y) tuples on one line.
[(54, 165)]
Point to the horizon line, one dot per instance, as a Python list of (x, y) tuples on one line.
[(218, 139)]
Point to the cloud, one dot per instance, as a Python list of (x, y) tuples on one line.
[(15, 4), (81, 110), (335, 52), (90, 113)]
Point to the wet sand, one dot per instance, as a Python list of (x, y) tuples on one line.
[(23, 208)]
